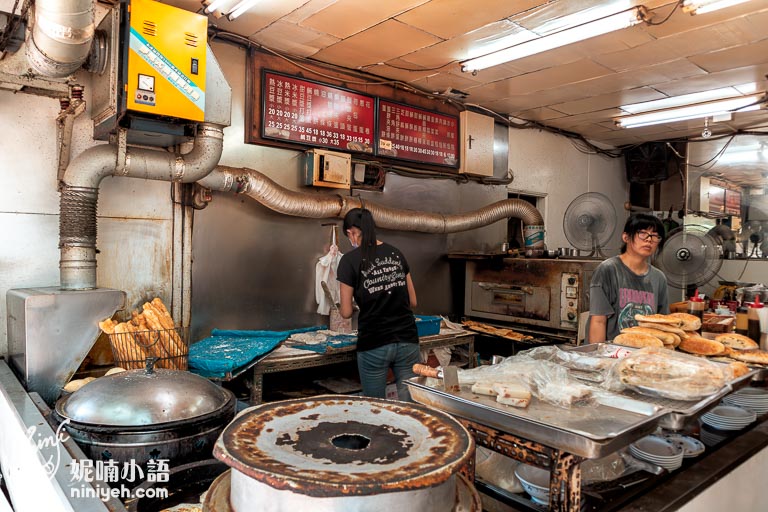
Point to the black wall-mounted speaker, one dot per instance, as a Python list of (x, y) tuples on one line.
[(652, 162)]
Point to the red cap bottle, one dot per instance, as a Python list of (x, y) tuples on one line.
[(753, 319)]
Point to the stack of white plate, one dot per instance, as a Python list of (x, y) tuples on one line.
[(752, 399), (711, 437), (728, 417), (691, 447), (659, 451)]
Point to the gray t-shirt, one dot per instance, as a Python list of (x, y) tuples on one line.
[(618, 293)]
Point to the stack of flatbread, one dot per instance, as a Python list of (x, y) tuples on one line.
[(679, 331), (666, 331)]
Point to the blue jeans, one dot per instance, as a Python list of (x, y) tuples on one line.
[(373, 365)]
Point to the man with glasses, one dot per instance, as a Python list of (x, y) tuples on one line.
[(627, 284)]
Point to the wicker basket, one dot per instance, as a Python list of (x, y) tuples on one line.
[(131, 349)]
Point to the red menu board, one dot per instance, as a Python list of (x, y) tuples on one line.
[(419, 135), (732, 202), (316, 114)]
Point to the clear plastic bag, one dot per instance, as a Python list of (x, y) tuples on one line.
[(664, 373), (546, 380)]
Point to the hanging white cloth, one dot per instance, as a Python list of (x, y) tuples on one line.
[(325, 271)]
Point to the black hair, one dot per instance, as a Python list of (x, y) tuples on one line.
[(642, 222), (363, 220)]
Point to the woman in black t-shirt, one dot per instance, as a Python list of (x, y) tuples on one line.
[(378, 276)]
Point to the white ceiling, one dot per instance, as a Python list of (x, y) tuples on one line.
[(578, 88)]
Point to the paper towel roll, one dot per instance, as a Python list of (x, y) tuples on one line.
[(763, 315)]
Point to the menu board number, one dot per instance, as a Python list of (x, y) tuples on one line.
[(316, 114)]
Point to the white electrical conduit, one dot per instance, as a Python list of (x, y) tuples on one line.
[(61, 36), (80, 191), (315, 206)]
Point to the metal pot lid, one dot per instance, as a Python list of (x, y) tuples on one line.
[(136, 397), (334, 445)]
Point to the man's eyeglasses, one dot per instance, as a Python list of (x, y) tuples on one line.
[(653, 237)]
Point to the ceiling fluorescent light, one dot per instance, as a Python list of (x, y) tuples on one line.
[(564, 37), (214, 5), (704, 6), (741, 104), (240, 8)]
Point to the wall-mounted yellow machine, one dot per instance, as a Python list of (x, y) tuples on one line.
[(165, 58), (158, 70)]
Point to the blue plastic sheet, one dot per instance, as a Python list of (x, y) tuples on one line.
[(332, 343), (225, 351)]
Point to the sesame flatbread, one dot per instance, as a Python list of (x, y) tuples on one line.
[(749, 356), (666, 337), (665, 328), (701, 346), (638, 340), (659, 319), (689, 322), (737, 341)]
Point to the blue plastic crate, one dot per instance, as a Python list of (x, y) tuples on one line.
[(428, 325)]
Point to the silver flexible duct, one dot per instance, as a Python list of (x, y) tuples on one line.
[(273, 196), (80, 190), (61, 37)]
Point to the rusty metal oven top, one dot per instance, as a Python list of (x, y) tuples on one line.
[(334, 445)]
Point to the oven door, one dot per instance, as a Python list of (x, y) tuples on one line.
[(516, 301)]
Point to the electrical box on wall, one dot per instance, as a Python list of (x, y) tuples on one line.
[(327, 169), (477, 144), (155, 81)]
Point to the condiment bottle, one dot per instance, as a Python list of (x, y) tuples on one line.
[(753, 319), (741, 321), (696, 305)]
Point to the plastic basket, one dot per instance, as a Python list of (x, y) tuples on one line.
[(428, 325), (169, 346)]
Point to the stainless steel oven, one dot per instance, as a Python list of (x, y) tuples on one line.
[(544, 294)]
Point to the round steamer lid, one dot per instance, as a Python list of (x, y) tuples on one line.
[(330, 446), (135, 397)]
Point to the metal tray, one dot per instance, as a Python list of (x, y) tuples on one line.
[(677, 411), (591, 432)]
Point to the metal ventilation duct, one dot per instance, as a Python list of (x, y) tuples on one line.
[(273, 196)]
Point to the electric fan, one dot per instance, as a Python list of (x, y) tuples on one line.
[(752, 233), (690, 257), (589, 222)]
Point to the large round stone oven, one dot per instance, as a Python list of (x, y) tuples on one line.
[(339, 453)]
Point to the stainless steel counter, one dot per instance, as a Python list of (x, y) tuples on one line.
[(287, 359)]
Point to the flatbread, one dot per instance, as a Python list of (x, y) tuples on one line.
[(737, 341), (638, 340), (689, 322), (749, 356), (701, 346), (666, 337), (659, 319), (665, 328)]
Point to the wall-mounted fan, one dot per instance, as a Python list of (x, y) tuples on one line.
[(690, 257), (589, 223)]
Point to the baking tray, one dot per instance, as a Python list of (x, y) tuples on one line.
[(677, 411), (591, 432)]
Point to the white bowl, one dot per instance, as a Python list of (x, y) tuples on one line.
[(535, 481)]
